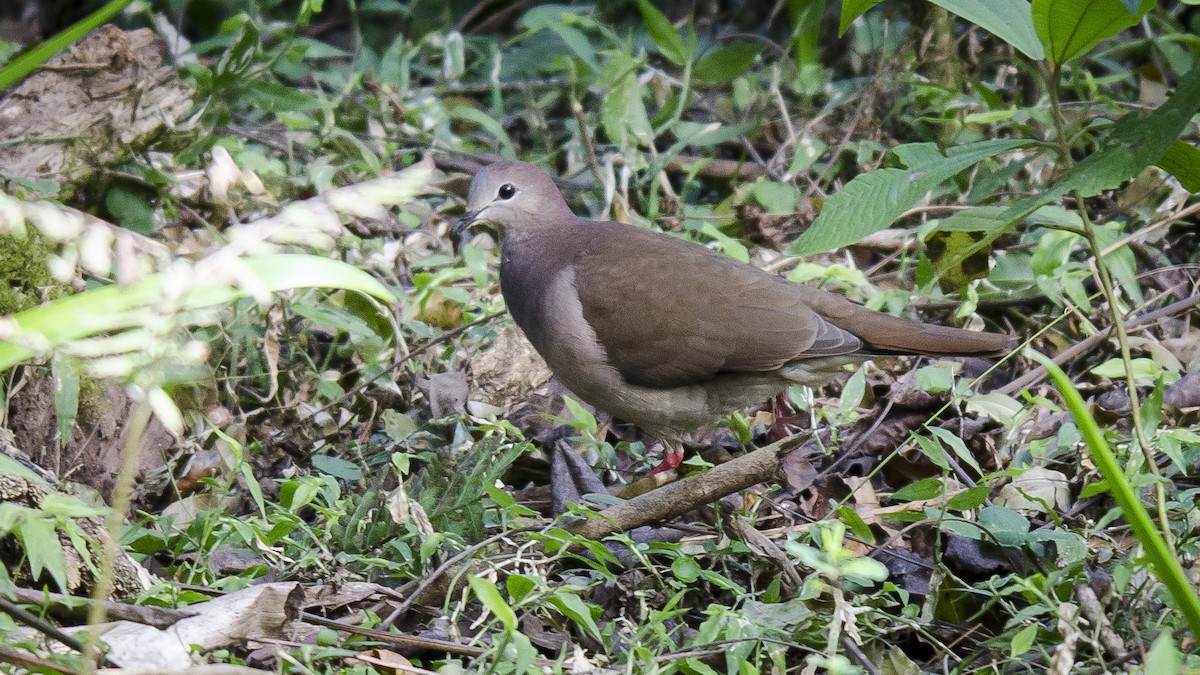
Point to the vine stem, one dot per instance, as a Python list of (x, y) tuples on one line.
[(1104, 276)]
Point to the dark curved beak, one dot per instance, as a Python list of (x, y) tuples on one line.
[(460, 227)]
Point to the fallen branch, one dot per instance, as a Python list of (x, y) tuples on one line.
[(694, 491)]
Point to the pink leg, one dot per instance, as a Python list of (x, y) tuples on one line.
[(672, 457)]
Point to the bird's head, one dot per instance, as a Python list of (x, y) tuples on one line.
[(511, 199)]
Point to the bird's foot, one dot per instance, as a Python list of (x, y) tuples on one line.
[(672, 458)]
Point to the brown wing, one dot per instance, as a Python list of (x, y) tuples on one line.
[(670, 313)]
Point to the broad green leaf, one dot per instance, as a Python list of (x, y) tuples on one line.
[(685, 569), (871, 201), (926, 488), (1009, 20), (43, 550), (130, 209), (1008, 527), (1133, 144), (856, 524), (557, 19), (1069, 28), (851, 10), (12, 466), (958, 446), (337, 467), (978, 219), (623, 109), (1164, 656), (488, 124), (776, 197), (1183, 162), (69, 506), (1022, 640), (519, 586), (578, 611), (969, 499), (490, 597), (934, 451), (1144, 369), (668, 40), (726, 63)]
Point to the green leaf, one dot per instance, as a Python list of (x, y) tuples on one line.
[(1183, 162), (1022, 641), (686, 569), (851, 10), (957, 445), (337, 467), (519, 586), (934, 451), (726, 63), (556, 19), (1143, 369), (623, 109), (490, 597), (42, 548), (69, 506), (1069, 28), (668, 40), (926, 488), (1008, 527), (853, 392), (871, 201), (130, 209), (776, 197), (1164, 656), (1009, 20), (856, 524), (577, 611), (969, 499)]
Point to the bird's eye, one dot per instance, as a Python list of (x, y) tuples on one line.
[(507, 191)]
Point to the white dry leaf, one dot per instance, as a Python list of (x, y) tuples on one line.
[(96, 249), (56, 223), (579, 662), (112, 367), (223, 173), (62, 266), (252, 182), (1036, 490), (367, 199), (255, 613), (129, 264), (12, 216), (405, 511)]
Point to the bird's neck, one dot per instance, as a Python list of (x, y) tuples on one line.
[(530, 262)]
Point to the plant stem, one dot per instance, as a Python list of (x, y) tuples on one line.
[(110, 544), (1106, 285)]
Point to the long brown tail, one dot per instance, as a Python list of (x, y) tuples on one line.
[(889, 334)]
